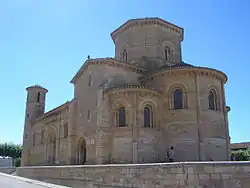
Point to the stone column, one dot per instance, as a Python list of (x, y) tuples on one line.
[(135, 152), (102, 128), (199, 142), (100, 139), (58, 128), (72, 120), (135, 129)]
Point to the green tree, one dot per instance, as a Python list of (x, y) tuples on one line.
[(242, 155), (10, 150), (2, 150)]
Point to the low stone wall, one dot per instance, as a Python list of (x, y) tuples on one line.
[(7, 170), (160, 175)]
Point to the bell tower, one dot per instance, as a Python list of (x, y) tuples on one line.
[(35, 107)]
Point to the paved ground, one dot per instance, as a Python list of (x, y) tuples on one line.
[(8, 181)]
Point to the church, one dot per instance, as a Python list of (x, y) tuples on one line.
[(133, 107)]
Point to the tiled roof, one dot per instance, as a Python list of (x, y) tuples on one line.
[(108, 61), (176, 65), (148, 20)]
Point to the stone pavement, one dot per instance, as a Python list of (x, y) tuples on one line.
[(9, 181)]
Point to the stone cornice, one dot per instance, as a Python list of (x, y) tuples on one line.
[(52, 113), (144, 165), (148, 21), (107, 61), (204, 71), (37, 87), (134, 88)]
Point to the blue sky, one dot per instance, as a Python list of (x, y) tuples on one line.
[(45, 42)]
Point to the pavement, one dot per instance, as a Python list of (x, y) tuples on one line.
[(9, 181)]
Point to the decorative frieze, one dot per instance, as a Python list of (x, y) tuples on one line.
[(133, 89)]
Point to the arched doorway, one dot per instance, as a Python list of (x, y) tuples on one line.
[(51, 148), (81, 152)]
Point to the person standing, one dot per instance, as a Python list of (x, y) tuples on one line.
[(170, 154)]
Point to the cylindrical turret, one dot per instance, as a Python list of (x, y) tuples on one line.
[(35, 104), (35, 107)]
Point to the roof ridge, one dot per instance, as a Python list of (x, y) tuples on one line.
[(107, 60), (37, 86), (147, 20)]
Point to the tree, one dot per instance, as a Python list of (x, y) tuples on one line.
[(10, 150), (242, 155)]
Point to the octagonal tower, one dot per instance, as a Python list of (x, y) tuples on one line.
[(152, 38)]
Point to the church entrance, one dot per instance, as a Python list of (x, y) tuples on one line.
[(81, 154), (51, 149)]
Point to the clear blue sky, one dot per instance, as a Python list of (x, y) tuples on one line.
[(45, 42)]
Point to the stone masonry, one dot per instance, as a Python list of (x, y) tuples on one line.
[(162, 175), (132, 108)]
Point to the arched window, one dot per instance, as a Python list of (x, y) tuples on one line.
[(168, 53), (121, 117), (148, 116), (42, 136), (124, 55), (38, 97), (178, 99), (65, 131), (212, 100)]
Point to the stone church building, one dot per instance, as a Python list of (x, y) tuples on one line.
[(133, 107)]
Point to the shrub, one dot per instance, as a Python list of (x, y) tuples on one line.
[(242, 155), (17, 162)]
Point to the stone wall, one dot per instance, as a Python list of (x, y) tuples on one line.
[(161, 175), (5, 162), (7, 170)]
